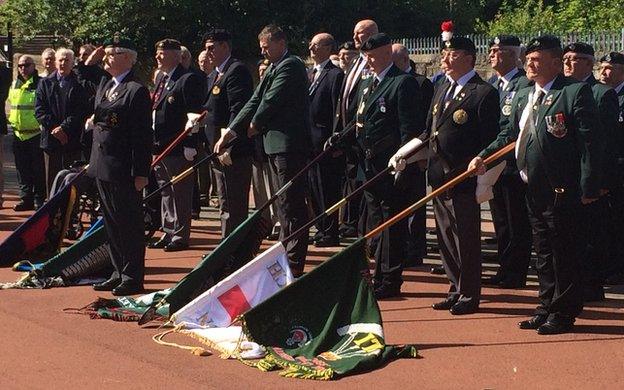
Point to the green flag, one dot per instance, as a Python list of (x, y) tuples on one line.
[(325, 325)]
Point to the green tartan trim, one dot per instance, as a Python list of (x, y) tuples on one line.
[(293, 370)]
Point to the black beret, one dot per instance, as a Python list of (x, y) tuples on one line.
[(460, 43), (544, 42), (579, 47), (168, 44), (376, 41), (613, 58), (349, 45), (118, 41), (505, 40), (218, 35)]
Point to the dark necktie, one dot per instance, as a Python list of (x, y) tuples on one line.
[(159, 90), (312, 75), (449, 95), (538, 102)]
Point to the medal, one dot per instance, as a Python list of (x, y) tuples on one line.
[(216, 90), (113, 96), (113, 119), (506, 109), (460, 117), (382, 105), (549, 100), (555, 125), (170, 99)]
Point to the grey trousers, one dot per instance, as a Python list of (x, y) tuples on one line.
[(458, 221), (233, 189), (176, 200), (263, 189)]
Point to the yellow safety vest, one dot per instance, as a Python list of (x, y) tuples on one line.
[(22, 114)]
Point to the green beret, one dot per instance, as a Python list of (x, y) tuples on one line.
[(545, 42), (118, 41), (505, 40), (168, 44), (613, 58), (579, 47), (376, 41), (460, 43)]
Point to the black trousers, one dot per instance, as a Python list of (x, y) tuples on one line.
[(325, 187), (352, 211), (233, 183), (291, 205), (123, 221), (417, 222), (383, 201), (30, 169), (597, 238), (558, 242), (513, 229), (615, 265), (458, 220)]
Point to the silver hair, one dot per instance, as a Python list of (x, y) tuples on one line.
[(47, 51), (63, 51)]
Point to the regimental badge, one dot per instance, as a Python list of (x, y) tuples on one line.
[(506, 109), (549, 100), (555, 124), (435, 109), (509, 97), (460, 117), (216, 90), (171, 99), (113, 96), (447, 43), (382, 105), (113, 119)]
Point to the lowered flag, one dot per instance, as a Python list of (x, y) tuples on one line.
[(325, 325)]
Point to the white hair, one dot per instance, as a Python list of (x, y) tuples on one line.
[(65, 52), (47, 52), (132, 54)]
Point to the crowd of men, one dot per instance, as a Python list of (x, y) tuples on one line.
[(364, 107)]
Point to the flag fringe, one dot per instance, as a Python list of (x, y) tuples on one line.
[(197, 351)]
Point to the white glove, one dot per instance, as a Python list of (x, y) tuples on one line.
[(486, 181), (192, 120), (89, 123), (398, 162), (189, 153)]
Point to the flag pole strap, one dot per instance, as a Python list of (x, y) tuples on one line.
[(353, 194), (447, 186)]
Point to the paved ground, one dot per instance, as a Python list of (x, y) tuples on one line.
[(42, 347)]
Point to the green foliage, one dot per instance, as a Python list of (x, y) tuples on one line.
[(562, 16)]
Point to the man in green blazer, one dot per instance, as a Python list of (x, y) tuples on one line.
[(387, 116), (578, 63), (558, 149), (279, 111), (612, 74)]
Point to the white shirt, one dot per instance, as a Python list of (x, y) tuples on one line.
[(118, 79), (318, 68), (506, 79), (545, 88), (219, 68), (461, 82), (383, 73)]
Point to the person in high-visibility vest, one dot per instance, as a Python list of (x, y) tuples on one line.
[(27, 136)]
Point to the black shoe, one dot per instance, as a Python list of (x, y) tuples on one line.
[(556, 327), (387, 291), (163, 242), (615, 280), (326, 242), (493, 280), (108, 285), (24, 206), (534, 322), (464, 307), (437, 270), (175, 246), (593, 294), (445, 304), (348, 232), (126, 288)]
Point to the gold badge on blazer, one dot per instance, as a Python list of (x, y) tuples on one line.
[(460, 117), (506, 109), (216, 90), (171, 99), (435, 109), (113, 119)]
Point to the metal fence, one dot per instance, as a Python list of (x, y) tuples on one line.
[(602, 41)]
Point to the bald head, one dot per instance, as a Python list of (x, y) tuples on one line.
[(321, 47), (363, 30), (400, 57)]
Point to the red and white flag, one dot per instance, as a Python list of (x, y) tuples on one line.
[(250, 285)]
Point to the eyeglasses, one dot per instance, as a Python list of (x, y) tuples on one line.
[(23, 65)]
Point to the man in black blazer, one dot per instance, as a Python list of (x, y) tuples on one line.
[(463, 119), (120, 164), (61, 110), (230, 86), (325, 178), (279, 111), (417, 223), (508, 207), (387, 117), (345, 112), (178, 92)]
